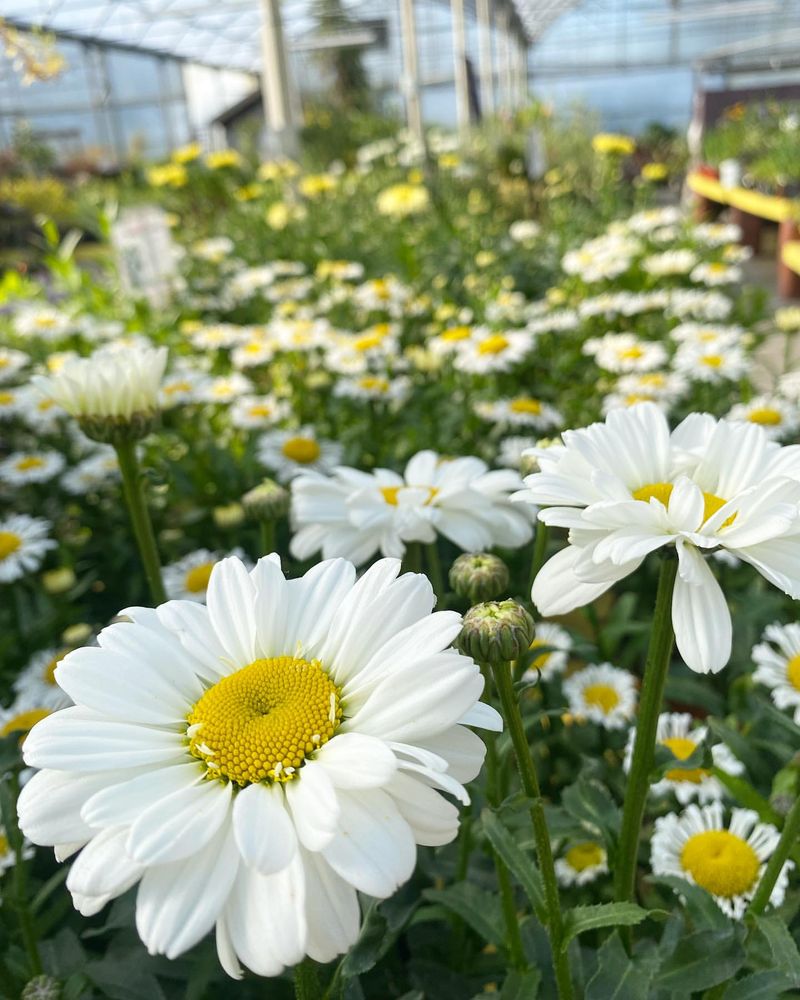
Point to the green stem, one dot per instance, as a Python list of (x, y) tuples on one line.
[(539, 552), (436, 575), (412, 560), (16, 842), (494, 796), (655, 677), (267, 528), (789, 838), (544, 851), (306, 981), (140, 518)]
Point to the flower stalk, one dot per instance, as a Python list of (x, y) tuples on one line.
[(659, 653), (140, 517), (306, 981), (789, 837)]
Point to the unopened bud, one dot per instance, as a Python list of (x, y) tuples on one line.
[(269, 501), (228, 516), (119, 430), (478, 576), (496, 632), (76, 635), (782, 803), (57, 581), (41, 988)]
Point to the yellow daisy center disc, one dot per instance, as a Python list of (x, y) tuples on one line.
[(682, 748), (602, 696), (389, 493), (30, 462), (793, 671), (24, 721), (524, 405), (9, 543), (49, 672), (663, 491), (720, 862), (260, 723), (495, 344), (631, 354), (540, 661), (196, 580), (300, 449), (583, 856), (766, 416)]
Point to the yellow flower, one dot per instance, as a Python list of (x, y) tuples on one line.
[(401, 200), (223, 158), (247, 193), (448, 161), (313, 185), (167, 175), (612, 144), (58, 581), (484, 258), (185, 154), (415, 176), (274, 170), (655, 172), (280, 214)]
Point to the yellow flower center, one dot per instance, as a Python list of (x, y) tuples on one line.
[(583, 856), (29, 462), (4, 845), (367, 342), (495, 344), (6, 398), (663, 491), (4, 362), (196, 580), (712, 360), (170, 390), (260, 410), (45, 322), (525, 405), (765, 415), (540, 661), (49, 672), (24, 721), (389, 493), (631, 354), (9, 543), (682, 748), (374, 383), (457, 333), (720, 862), (302, 450), (793, 671), (654, 379), (260, 723), (602, 696)]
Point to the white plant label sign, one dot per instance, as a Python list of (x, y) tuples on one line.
[(146, 254)]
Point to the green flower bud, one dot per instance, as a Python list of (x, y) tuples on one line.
[(41, 988), (269, 501), (782, 803), (496, 632), (119, 430), (478, 576)]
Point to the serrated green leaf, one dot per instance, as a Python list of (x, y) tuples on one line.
[(618, 977), (589, 918), (478, 908), (758, 986), (592, 805), (702, 960), (521, 865), (370, 944), (782, 945)]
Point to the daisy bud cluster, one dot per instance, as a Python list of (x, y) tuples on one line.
[(113, 394), (496, 631)]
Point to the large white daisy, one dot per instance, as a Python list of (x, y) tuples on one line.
[(254, 763), (727, 861), (628, 486)]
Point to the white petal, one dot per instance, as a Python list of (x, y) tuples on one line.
[(463, 750), (354, 760), (700, 615), (177, 904), (433, 820), (49, 806), (263, 829), (482, 716), (314, 600), (125, 800), (103, 868), (231, 607), (182, 825), (557, 590), (374, 849), (332, 913), (271, 609), (314, 806)]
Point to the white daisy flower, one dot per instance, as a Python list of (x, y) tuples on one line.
[(11, 399), (112, 383), (677, 732), (520, 411), (494, 352), (778, 660), (213, 249), (94, 472), (358, 514), (188, 578), (715, 273), (670, 263), (43, 322), (510, 451), (36, 683), (625, 352), (728, 862), (778, 417), (603, 694), (628, 486), (374, 387), (182, 386), (23, 544), (385, 294), (708, 335), (556, 643), (287, 453), (218, 335), (224, 388), (646, 221), (39, 412), (258, 350), (710, 363), (255, 763), (22, 467), (581, 864), (524, 231), (717, 234), (694, 303), (250, 412), (11, 363)]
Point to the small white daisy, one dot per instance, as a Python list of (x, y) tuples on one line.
[(779, 665), (603, 694), (520, 411), (702, 363), (225, 388), (11, 362), (670, 263), (625, 352), (556, 645), (676, 731), (582, 863), (249, 412), (495, 352), (511, 450), (727, 862), (374, 387), (36, 683), (778, 417), (715, 273), (288, 453), (11, 398), (23, 467), (23, 544), (98, 470), (187, 579)]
